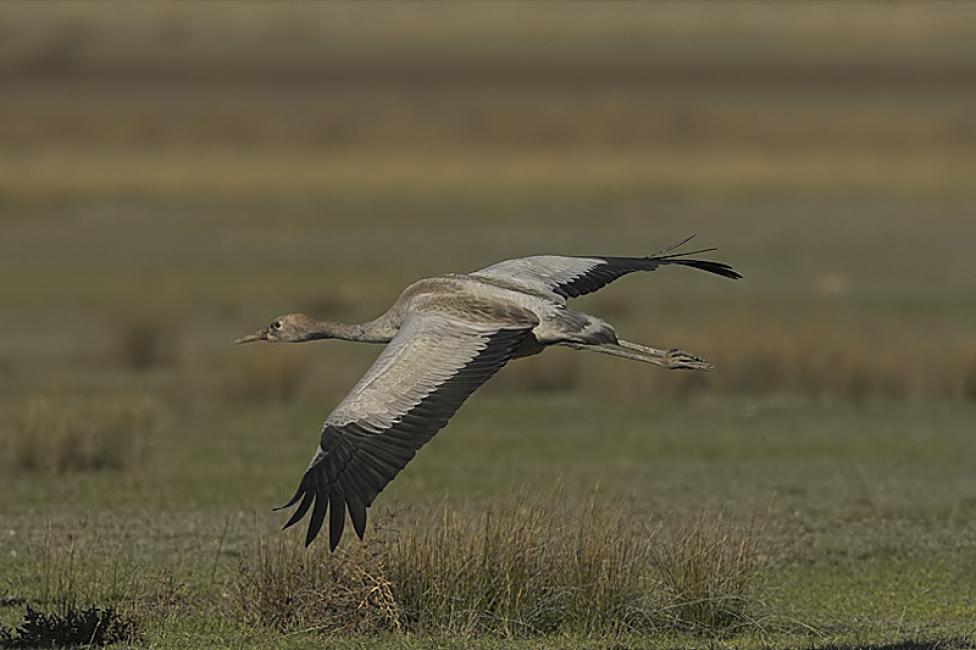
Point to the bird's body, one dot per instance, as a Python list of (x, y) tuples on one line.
[(445, 337), (474, 299)]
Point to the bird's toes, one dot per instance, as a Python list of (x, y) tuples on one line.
[(681, 360)]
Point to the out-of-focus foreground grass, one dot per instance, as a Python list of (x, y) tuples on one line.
[(172, 176)]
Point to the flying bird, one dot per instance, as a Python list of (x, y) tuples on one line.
[(445, 336)]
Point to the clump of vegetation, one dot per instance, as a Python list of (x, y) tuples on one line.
[(524, 570), (521, 570), (60, 436), (146, 340), (90, 626), (283, 586), (710, 572)]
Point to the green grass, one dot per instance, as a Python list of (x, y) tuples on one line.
[(865, 496), (866, 511)]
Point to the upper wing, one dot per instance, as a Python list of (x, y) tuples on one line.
[(412, 389), (569, 277)]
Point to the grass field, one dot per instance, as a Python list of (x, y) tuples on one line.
[(171, 179)]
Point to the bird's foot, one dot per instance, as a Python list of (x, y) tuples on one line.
[(681, 360)]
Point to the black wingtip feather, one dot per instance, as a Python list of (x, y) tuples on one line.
[(337, 519), (300, 510), (669, 256), (318, 516), (357, 513), (718, 268)]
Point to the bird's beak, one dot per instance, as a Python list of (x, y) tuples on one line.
[(260, 335)]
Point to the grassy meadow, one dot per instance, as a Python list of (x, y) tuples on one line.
[(173, 176)]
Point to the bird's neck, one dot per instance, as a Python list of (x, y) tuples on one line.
[(374, 331)]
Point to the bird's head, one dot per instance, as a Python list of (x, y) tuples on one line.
[(290, 328)]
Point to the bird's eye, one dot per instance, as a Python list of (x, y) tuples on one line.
[(276, 325)]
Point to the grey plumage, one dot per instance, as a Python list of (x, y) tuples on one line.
[(570, 277), (445, 337)]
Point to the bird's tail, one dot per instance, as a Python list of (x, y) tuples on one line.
[(671, 359)]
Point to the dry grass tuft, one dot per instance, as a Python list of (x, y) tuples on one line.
[(58, 436), (283, 586), (524, 570), (518, 570), (710, 571), (146, 339)]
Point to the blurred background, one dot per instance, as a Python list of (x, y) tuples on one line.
[(173, 175)]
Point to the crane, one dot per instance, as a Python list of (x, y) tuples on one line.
[(445, 336)]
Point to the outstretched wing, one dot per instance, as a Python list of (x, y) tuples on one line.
[(412, 389), (569, 277)]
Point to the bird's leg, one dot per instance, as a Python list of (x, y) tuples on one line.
[(673, 359)]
